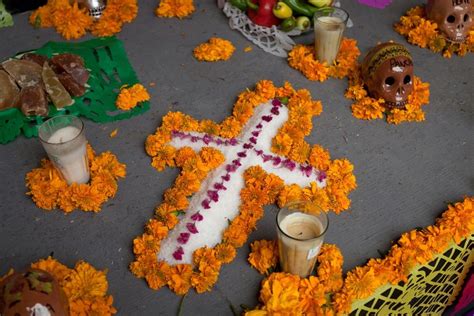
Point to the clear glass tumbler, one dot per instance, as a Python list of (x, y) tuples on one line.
[(64, 141), (301, 227), (329, 26)]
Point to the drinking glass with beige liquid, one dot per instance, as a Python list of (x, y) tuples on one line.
[(300, 237), (64, 141), (329, 26)]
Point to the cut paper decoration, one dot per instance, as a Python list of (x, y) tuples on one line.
[(110, 70), (421, 275), (6, 18), (258, 154), (379, 4)]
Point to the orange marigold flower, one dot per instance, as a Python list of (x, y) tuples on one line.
[(230, 127), (87, 198), (85, 282), (157, 229), (301, 57), (180, 278), (300, 151), (291, 193), (205, 279), (104, 182), (175, 8), (225, 253), (215, 49), (164, 156), (106, 26), (108, 162), (280, 294), (184, 154), (329, 269), (368, 109), (54, 267), (319, 157), (209, 127), (361, 282), (263, 255), (157, 274), (126, 10), (281, 144), (176, 198), (312, 294), (42, 17), (72, 22), (212, 157), (265, 89), (285, 91), (235, 235), (129, 98)]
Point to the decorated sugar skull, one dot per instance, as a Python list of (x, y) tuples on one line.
[(454, 17), (34, 292), (387, 71)]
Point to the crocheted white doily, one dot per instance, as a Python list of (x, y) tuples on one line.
[(271, 40)]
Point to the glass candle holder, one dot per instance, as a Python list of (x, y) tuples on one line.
[(329, 26), (64, 141), (301, 227)]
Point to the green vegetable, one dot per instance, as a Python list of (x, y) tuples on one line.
[(320, 3), (303, 23), (240, 4), (252, 5), (288, 24), (301, 8), (282, 11)]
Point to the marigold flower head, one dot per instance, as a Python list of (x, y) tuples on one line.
[(129, 98), (85, 282), (72, 22), (54, 267), (280, 294), (175, 8), (180, 278), (263, 255), (215, 49)]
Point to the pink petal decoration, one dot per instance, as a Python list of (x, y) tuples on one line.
[(192, 228), (183, 238), (197, 217), (178, 254), (205, 204), (379, 4)]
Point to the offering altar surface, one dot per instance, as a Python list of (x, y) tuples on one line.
[(406, 174)]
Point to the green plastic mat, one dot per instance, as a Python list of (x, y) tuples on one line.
[(430, 287), (6, 18), (109, 70)]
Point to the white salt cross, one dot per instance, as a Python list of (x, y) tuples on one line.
[(218, 199)]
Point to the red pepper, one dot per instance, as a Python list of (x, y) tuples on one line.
[(263, 14)]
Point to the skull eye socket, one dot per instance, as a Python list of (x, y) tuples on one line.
[(407, 79), (466, 17), (451, 19), (389, 81)]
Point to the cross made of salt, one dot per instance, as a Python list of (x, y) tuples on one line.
[(217, 201)]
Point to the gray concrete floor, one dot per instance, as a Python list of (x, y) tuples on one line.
[(405, 173)]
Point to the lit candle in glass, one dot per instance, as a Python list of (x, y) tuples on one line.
[(329, 25), (64, 141), (301, 229)]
